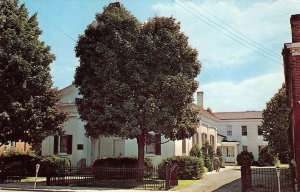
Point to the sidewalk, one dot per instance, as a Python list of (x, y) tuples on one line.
[(28, 186), (227, 180)]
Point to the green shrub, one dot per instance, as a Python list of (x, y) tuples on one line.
[(208, 163), (209, 154), (188, 167), (219, 155), (27, 162), (266, 157), (53, 164), (208, 150), (245, 158), (196, 151)]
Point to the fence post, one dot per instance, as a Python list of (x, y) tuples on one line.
[(246, 177), (167, 176), (47, 175)]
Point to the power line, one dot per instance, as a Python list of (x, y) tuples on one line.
[(58, 28), (237, 31), (228, 34), (251, 44)]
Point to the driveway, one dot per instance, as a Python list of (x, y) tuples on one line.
[(227, 180)]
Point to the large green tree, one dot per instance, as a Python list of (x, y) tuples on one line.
[(28, 104), (136, 79), (276, 124)]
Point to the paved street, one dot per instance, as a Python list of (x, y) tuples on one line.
[(227, 180)]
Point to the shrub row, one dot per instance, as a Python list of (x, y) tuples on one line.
[(266, 158), (28, 163), (188, 167)]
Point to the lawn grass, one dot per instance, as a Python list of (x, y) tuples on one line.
[(183, 183), (32, 179), (283, 166)]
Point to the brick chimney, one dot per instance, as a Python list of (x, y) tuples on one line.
[(295, 24), (200, 99)]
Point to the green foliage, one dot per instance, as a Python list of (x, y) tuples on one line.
[(208, 150), (27, 161), (28, 104), (53, 164), (276, 125), (188, 167), (219, 155), (266, 157), (136, 78), (196, 151), (245, 158), (121, 162), (209, 154), (208, 163)]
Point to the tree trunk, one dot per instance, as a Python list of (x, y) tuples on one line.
[(141, 150)]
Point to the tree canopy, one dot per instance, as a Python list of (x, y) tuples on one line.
[(136, 79), (28, 103), (276, 123)]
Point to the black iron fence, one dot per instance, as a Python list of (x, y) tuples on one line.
[(114, 177), (267, 179)]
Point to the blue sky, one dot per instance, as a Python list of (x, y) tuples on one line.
[(233, 77)]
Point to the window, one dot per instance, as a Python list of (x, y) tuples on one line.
[(229, 130), (196, 139), (245, 148), (154, 147), (79, 146), (183, 146), (211, 140), (64, 145), (259, 130), (204, 137), (244, 130)]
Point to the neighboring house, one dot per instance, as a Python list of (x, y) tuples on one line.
[(291, 58), (243, 133), (15, 146), (83, 150)]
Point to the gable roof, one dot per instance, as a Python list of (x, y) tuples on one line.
[(239, 115)]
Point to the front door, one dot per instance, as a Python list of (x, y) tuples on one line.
[(229, 155)]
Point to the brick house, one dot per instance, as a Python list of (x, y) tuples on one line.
[(291, 58)]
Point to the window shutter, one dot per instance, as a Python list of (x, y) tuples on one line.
[(55, 147), (157, 144), (70, 141)]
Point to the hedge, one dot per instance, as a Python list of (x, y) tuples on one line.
[(28, 163), (188, 167), (245, 158), (266, 157)]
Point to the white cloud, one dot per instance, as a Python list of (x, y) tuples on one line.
[(265, 22), (251, 94)]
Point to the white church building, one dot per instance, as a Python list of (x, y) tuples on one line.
[(83, 150)]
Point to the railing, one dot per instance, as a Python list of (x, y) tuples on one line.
[(266, 179), (81, 163), (114, 177)]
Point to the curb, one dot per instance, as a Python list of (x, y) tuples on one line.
[(30, 189)]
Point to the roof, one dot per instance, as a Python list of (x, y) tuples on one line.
[(239, 115)]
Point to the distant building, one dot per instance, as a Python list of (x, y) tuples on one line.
[(14, 146), (243, 133), (291, 58)]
